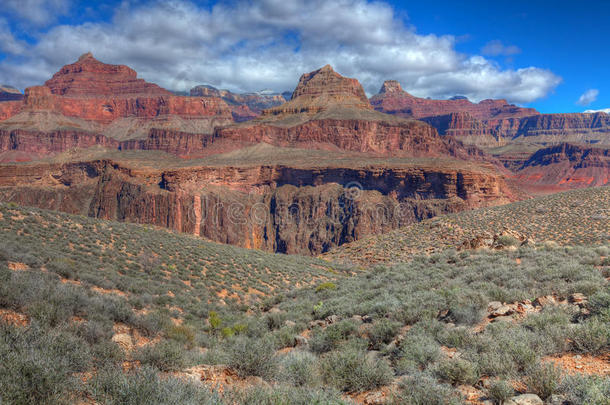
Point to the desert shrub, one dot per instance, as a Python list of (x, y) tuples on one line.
[(259, 395), (592, 336), (38, 365), (423, 389), (500, 390), (325, 340), (252, 356), (599, 303), (144, 386), (581, 389), (457, 371), (181, 333), (214, 320), (165, 355), (349, 369), (543, 380), (326, 286), (416, 350), (382, 332), (275, 320), (466, 314), (285, 337), (299, 368), (507, 241), (152, 323)]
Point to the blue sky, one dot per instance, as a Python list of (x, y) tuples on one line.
[(535, 53)]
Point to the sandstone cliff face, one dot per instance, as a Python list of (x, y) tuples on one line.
[(43, 143), (392, 99), (276, 208), (466, 128), (183, 144), (568, 166)]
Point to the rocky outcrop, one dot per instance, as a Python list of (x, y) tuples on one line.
[(9, 93), (392, 99), (568, 166), (272, 207), (243, 106)]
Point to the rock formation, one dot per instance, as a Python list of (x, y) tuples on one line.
[(567, 166), (89, 78), (244, 107), (331, 112), (108, 103), (392, 99), (282, 208), (9, 93)]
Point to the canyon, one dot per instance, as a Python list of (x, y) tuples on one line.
[(289, 173)]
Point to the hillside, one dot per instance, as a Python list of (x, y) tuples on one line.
[(578, 217), (97, 312)]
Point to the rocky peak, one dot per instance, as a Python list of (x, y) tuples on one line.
[(320, 90), (391, 86), (85, 56), (88, 77), (326, 82)]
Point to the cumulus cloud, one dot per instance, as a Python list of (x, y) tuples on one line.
[(497, 48), (37, 12), (247, 46), (604, 110), (588, 97), (8, 43)]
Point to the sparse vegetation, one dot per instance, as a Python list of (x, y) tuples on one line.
[(84, 315)]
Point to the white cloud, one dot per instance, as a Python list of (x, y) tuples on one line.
[(247, 46), (8, 43), (37, 12), (588, 97), (604, 110), (496, 48)]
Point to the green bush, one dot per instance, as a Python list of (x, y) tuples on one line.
[(382, 332), (284, 395), (592, 336), (325, 340), (165, 355), (585, 390), (543, 380), (252, 356), (299, 368), (457, 371), (326, 286), (349, 369), (423, 389), (507, 241), (181, 333), (500, 390), (111, 386), (415, 351)]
